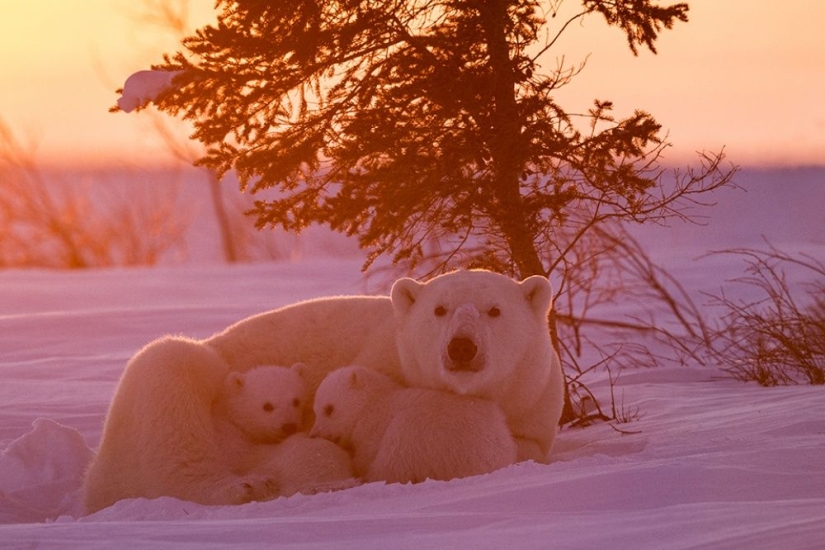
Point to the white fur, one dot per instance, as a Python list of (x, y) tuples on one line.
[(514, 365), (301, 464), (159, 437), (265, 407), (266, 403), (172, 383), (402, 435)]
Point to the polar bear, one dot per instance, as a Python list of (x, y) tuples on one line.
[(401, 435), (159, 438), (422, 335), (482, 334), (265, 404), (257, 415), (301, 464), (473, 332)]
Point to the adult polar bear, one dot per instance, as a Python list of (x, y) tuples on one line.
[(473, 332)]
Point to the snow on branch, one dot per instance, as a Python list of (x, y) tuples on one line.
[(143, 87)]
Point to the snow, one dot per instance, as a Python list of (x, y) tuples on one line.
[(144, 87), (708, 463)]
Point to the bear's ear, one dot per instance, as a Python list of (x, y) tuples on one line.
[(300, 369), (404, 294), (234, 382), (538, 293), (356, 379)]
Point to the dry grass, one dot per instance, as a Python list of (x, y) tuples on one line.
[(778, 338)]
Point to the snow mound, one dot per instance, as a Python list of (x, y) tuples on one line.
[(42, 473)]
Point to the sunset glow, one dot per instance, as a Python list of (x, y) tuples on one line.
[(746, 75)]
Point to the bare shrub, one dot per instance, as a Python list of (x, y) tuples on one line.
[(615, 309), (75, 224), (775, 339)]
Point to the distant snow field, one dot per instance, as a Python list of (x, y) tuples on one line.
[(708, 463)]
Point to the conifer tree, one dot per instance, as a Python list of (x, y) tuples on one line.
[(408, 122)]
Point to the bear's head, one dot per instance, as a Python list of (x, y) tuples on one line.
[(470, 331), (267, 403), (343, 398)]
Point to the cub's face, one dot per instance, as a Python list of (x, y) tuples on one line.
[(467, 331), (340, 401), (267, 403)]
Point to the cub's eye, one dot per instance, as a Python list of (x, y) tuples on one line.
[(328, 410), (296, 403), (440, 311), (494, 312), (268, 407)]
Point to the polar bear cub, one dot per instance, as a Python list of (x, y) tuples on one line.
[(265, 404), (301, 464), (402, 435)]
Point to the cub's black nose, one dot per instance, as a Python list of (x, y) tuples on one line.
[(461, 350)]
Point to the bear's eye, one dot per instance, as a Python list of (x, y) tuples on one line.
[(494, 312), (296, 403), (328, 410), (268, 407), (440, 311)]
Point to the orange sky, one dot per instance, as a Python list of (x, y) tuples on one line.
[(745, 74)]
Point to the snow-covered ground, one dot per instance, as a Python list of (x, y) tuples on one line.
[(709, 463)]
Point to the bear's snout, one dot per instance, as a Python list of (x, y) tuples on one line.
[(289, 428), (462, 352)]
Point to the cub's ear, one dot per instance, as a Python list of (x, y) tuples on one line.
[(538, 293), (234, 382), (300, 368), (357, 377), (404, 294)]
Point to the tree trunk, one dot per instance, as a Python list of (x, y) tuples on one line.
[(230, 254), (508, 161), (507, 149), (505, 143)]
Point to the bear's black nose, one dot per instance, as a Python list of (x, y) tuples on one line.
[(289, 429), (461, 350)]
